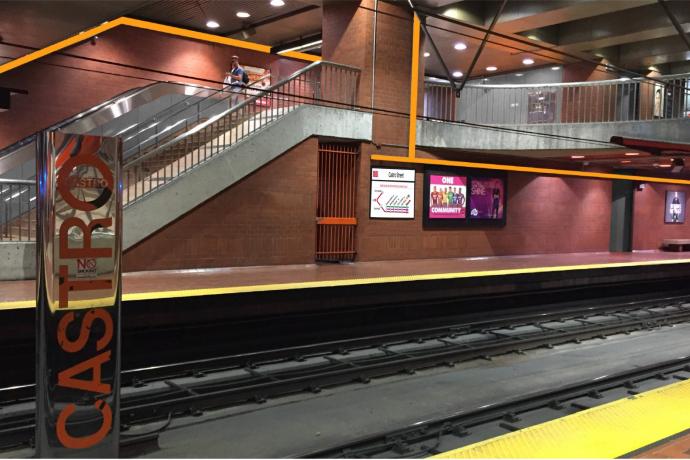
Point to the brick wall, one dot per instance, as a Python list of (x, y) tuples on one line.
[(348, 37), (61, 86), (544, 215), (267, 218), (649, 229)]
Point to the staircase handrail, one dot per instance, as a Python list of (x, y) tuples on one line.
[(185, 106), (132, 92), (236, 108)]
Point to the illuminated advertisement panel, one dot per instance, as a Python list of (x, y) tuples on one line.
[(447, 197), (78, 295), (464, 197), (487, 198), (675, 207)]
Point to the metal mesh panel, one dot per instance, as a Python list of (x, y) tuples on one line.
[(337, 202)]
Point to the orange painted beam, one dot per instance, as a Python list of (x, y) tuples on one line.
[(147, 25), (526, 169), (414, 83)]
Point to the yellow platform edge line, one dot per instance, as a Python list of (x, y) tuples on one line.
[(607, 431), (357, 281)]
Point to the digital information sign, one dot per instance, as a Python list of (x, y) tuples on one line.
[(78, 296)]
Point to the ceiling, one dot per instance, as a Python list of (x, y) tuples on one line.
[(631, 34), (593, 160), (267, 24)]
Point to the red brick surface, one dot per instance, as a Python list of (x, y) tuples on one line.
[(649, 229), (544, 215), (267, 218), (348, 37)]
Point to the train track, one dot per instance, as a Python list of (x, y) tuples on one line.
[(191, 388), (429, 437)]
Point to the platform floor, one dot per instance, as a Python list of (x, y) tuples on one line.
[(608, 431), (188, 283), (676, 447)]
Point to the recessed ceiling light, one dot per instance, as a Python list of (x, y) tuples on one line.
[(457, 74), (492, 68), (211, 24), (577, 157), (460, 46), (427, 54), (556, 67), (652, 68), (665, 165), (519, 74), (631, 154), (277, 3), (626, 161), (242, 14), (533, 37), (528, 61)]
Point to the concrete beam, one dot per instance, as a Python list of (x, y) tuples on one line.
[(630, 26), (526, 16), (653, 52), (457, 136)]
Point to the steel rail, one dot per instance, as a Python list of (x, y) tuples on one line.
[(207, 393), (192, 398), (398, 442), (138, 376)]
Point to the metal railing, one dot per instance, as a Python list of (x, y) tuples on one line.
[(175, 119), (216, 127), (189, 133), (17, 210), (620, 100)]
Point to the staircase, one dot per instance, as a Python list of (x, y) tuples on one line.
[(187, 160)]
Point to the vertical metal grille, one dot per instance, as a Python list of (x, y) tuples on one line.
[(337, 202)]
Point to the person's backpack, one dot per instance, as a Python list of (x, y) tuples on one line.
[(245, 78)]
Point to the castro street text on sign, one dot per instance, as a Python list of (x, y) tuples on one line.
[(78, 292)]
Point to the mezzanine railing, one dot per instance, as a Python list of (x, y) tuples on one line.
[(620, 100)]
